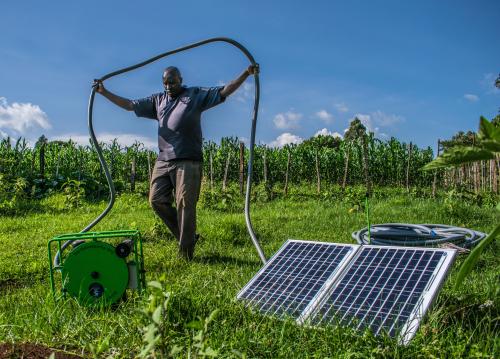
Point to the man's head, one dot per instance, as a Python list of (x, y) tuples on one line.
[(172, 81)]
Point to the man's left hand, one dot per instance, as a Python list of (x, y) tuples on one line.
[(253, 69)]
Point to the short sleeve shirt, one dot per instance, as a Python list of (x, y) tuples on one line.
[(179, 120)]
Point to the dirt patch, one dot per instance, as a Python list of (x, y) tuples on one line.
[(32, 351)]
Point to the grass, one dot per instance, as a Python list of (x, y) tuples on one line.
[(462, 323)]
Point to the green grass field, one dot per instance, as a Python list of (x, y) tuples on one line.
[(202, 316)]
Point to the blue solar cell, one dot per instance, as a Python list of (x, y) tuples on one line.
[(294, 277), (384, 289), (380, 289)]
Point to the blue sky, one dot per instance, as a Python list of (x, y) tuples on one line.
[(415, 70)]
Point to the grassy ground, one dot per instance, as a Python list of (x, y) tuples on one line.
[(202, 316)]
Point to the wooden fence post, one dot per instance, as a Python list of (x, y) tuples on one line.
[(318, 174), (477, 177), (132, 175), (434, 182), (265, 166), (346, 166), (79, 168), (112, 164), (211, 171), (286, 173), (57, 161), (42, 160), (484, 172), (224, 182), (410, 147), (494, 176), (149, 166), (242, 166)]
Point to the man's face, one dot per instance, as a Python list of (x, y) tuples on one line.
[(172, 83)]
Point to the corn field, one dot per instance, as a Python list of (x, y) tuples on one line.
[(48, 166)]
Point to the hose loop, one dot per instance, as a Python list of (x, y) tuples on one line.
[(103, 161)]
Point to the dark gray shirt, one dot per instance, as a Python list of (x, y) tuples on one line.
[(179, 120)]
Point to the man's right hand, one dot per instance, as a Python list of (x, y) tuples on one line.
[(124, 103), (99, 86)]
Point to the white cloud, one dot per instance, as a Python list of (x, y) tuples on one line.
[(124, 139), (386, 120), (287, 120), (471, 97), (245, 93), (245, 140), (20, 118), (375, 120), (341, 107), (324, 116), (285, 139), (325, 132)]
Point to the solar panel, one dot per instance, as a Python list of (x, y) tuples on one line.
[(385, 289), (294, 276)]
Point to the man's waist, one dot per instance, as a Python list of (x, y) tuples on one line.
[(168, 157)]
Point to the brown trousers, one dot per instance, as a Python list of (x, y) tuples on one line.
[(182, 179)]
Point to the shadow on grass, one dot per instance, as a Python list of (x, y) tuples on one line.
[(215, 258), (11, 284), (34, 206)]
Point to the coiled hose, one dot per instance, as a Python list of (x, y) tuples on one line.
[(105, 166), (418, 235)]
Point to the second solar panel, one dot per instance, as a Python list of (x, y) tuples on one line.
[(384, 289)]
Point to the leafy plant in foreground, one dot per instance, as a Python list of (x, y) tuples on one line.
[(157, 334), (200, 347), (155, 314), (487, 148), (74, 193)]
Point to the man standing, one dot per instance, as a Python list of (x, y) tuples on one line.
[(177, 171)]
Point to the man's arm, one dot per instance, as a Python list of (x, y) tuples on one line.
[(124, 103), (233, 85)]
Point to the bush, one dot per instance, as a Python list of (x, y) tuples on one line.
[(228, 200)]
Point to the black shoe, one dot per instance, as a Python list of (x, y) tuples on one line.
[(186, 253)]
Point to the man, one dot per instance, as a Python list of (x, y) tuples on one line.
[(178, 168)]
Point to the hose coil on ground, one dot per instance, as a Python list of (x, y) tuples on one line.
[(418, 235)]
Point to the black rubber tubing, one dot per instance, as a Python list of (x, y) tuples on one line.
[(421, 235), (105, 166)]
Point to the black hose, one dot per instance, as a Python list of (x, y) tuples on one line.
[(418, 235), (105, 166)]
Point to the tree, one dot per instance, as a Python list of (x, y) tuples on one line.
[(322, 142), (460, 139), (357, 133)]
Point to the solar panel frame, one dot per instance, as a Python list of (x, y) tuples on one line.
[(429, 292), (409, 330), (276, 257)]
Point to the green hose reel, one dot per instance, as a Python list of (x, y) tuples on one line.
[(97, 268)]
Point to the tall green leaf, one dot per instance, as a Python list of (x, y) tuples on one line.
[(488, 131), (486, 149), (458, 155), (473, 257)]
